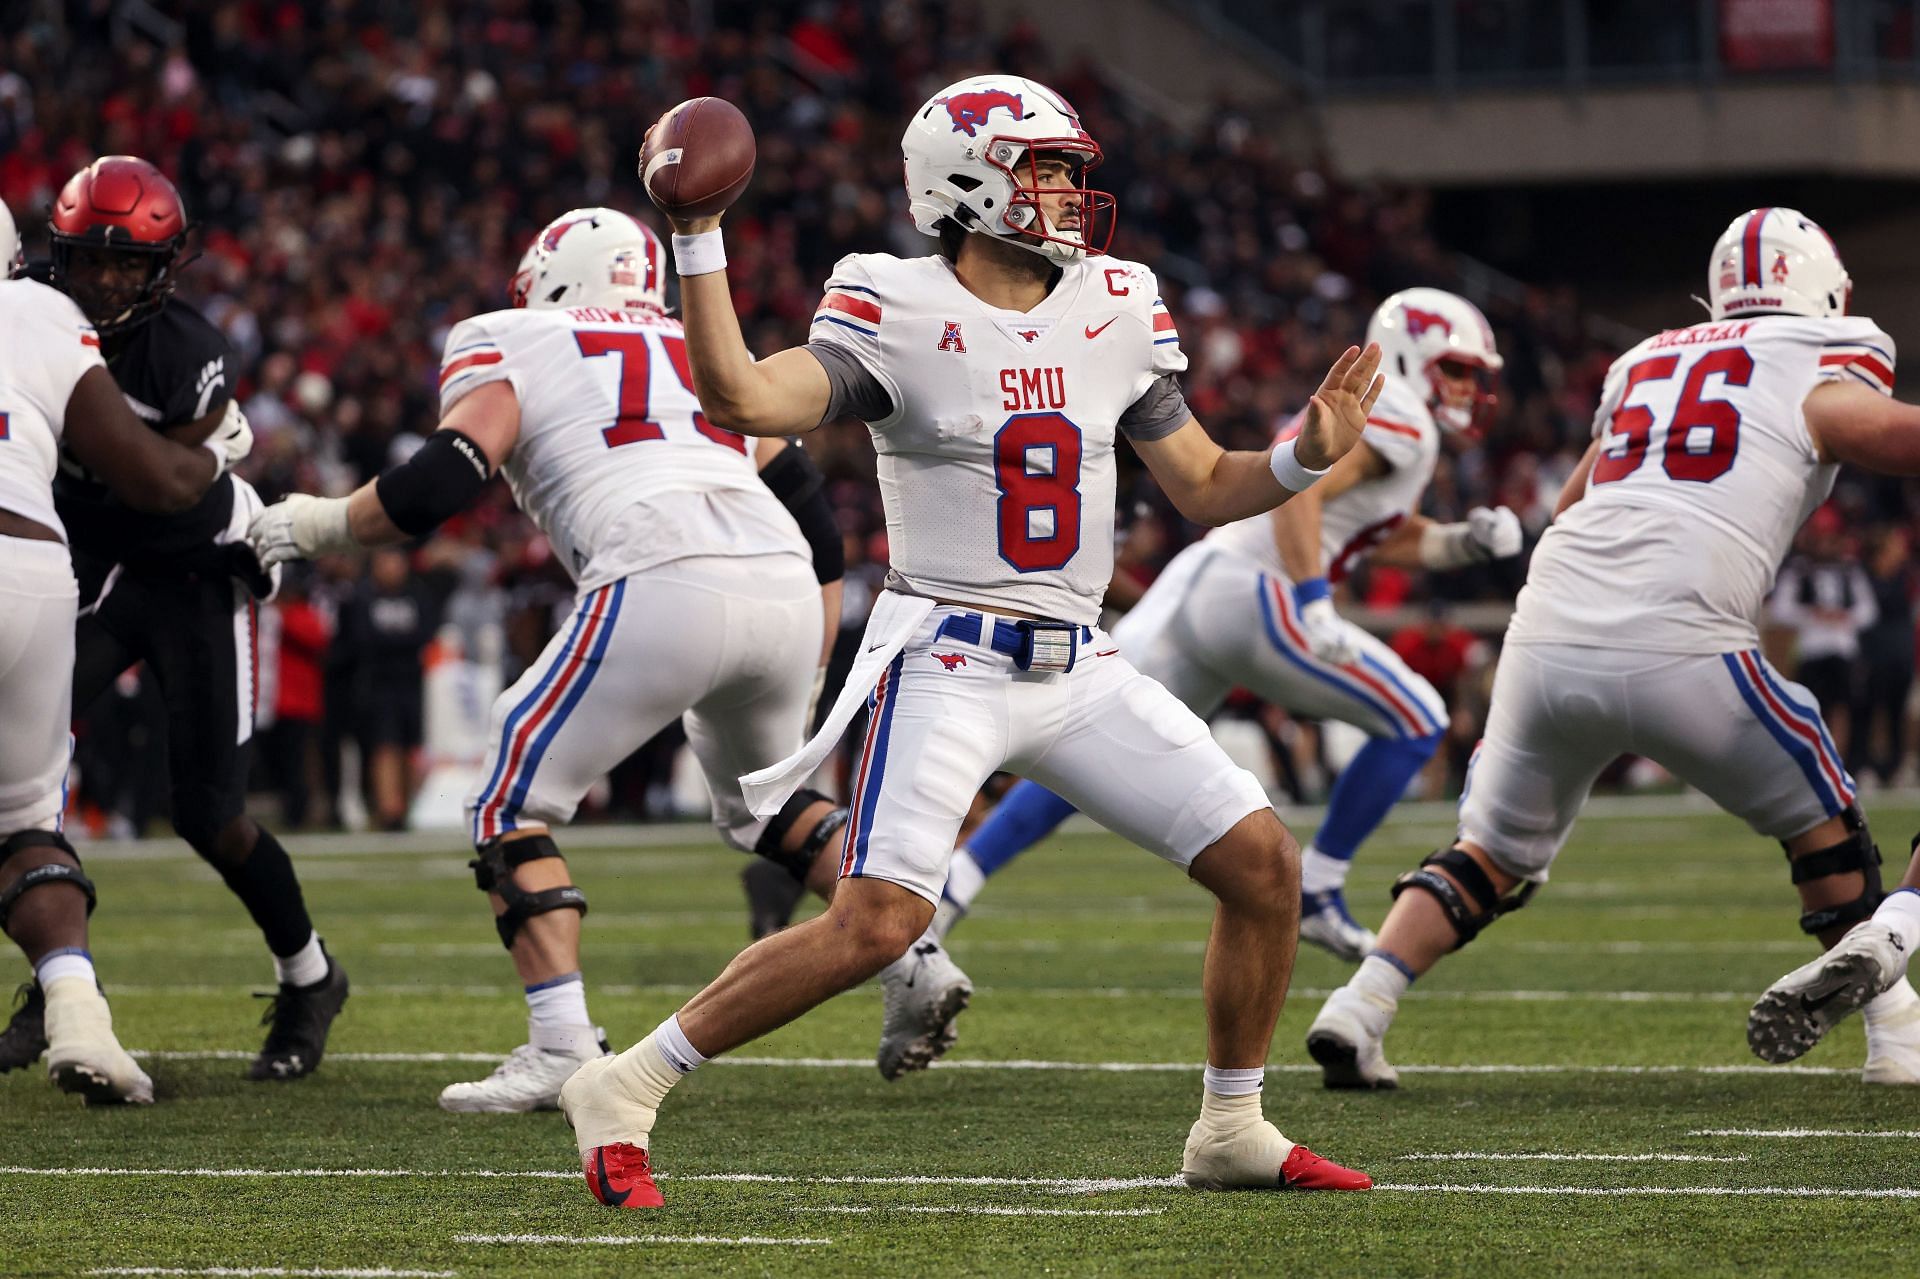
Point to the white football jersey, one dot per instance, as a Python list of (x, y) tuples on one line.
[(1402, 431), (996, 466), (46, 346), (615, 461), (1704, 473)]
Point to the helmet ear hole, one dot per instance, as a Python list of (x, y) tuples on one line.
[(963, 182)]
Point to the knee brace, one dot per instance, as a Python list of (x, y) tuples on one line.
[(1857, 852), (50, 873), (1471, 904), (493, 873), (800, 860)]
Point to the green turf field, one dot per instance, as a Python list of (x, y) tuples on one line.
[(1574, 1057)]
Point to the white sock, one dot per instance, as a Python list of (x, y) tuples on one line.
[(945, 916), (964, 880), (1381, 979), (1891, 1002), (1234, 1082), (1320, 873), (69, 961), (674, 1046), (304, 967), (557, 1018), (1901, 912)]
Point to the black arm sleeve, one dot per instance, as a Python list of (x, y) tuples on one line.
[(1158, 413), (801, 488), (856, 391), (439, 481)]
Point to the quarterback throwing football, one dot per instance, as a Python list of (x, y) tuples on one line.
[(995, 378)]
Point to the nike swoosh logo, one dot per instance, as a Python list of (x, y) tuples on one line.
[(1813, 1005), (608, 1195), (1094, 333)]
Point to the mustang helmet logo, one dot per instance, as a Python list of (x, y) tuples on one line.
[(550, 239), (1419, 322), (970, 110)]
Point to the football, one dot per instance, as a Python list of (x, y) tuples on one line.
[(697, 158)]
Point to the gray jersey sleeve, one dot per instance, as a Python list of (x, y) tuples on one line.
[(856, 391), (1158, 413)]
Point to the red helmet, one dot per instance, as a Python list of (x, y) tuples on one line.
[(123, 205)]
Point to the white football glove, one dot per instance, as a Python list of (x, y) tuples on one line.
[(1327, 635), (300, 527), (231, 440), (1495, 532)]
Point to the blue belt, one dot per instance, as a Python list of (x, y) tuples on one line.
[(1015, 638)]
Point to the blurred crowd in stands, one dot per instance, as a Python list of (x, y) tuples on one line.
[(363, 176)]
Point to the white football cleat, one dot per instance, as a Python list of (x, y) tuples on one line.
[(1804, 1005), (1326, 923), (529, 1079), (922, 993), (1347, 1040), (83, 1056), (1893, 1045)]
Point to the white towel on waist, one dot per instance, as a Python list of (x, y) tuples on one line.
[(893, 622)]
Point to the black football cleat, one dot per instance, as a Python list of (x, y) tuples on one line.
[(772, 896), (25, 1038), (297, 1022)]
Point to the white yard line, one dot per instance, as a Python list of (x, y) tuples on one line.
[(978, 1210), (1908, 1133), (757, 1241), (379, 1273), (1028, 1064), (1067, 1185), (1607, 1192), (1476, 1156)]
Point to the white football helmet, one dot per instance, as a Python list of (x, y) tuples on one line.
[(1776, 260), (1417, 329), (969, 157), (591, 257)]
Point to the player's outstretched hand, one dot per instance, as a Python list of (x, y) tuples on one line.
[(300, 527), (1337, 414), (1496, 532), (233, 437), (1327, 636)]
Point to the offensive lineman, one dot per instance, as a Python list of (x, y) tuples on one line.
[(1194, 629), (1636, 630), (697, 595), (994, 379), (55, 390), (178, 590)]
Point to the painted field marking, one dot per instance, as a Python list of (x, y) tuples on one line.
[(979, 1210), (1028, 1064), (1064, 1185), (755, 1241), (1804, 1132), (379, 1273), (1476, 1156), (1762, 1192)]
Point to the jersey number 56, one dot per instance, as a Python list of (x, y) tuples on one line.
[(1702, 435)]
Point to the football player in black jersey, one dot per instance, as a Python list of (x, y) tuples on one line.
[(178, 592)]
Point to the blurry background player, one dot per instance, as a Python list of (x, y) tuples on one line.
[(1251, 606), (699, 595), (1637, 630), (177, 591), (54, 390)]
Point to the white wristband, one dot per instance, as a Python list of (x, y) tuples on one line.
[(1293, 477), (1448, 546), (219, 457), (700, 254)]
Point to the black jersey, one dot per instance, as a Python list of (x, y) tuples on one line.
[(175, 368)]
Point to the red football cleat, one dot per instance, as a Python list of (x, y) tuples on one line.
[(1305, 1170), (620, 1177)]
